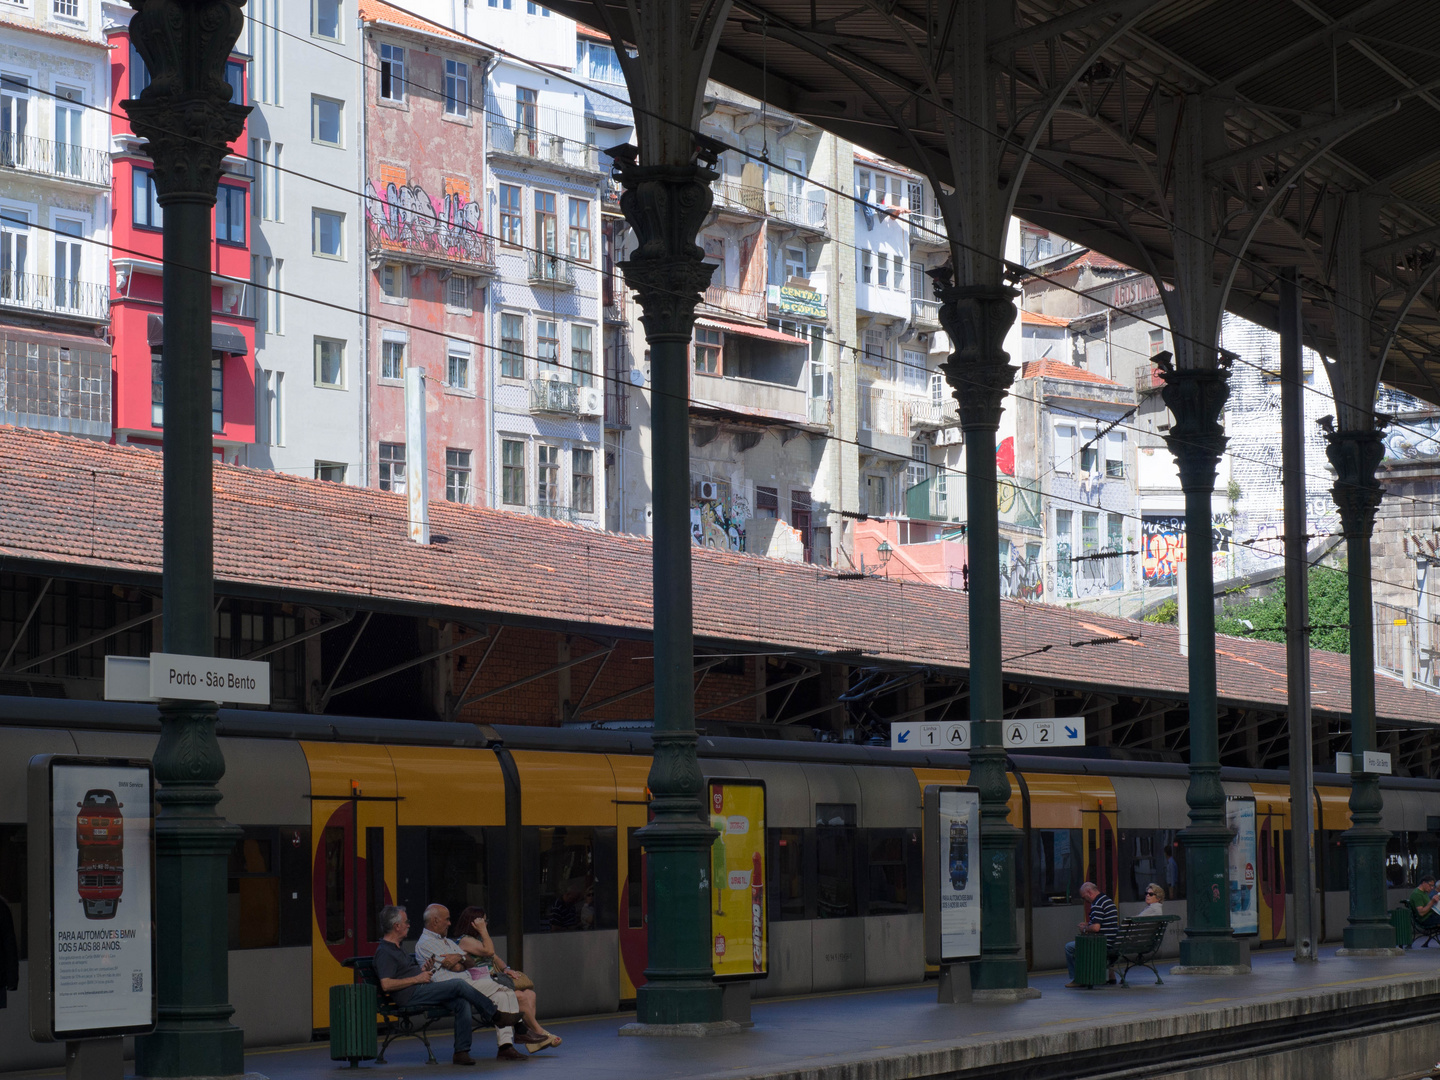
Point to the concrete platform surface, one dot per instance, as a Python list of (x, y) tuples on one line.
[(891, 1034)]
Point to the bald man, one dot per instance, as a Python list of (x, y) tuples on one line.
[(449, 962)]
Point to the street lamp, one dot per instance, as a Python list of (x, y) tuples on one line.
[(885, 551)]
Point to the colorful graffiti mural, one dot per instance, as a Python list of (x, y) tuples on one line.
[(407, 218), (720, 524), (1021, 575), (1409, 440), (1162, 548)]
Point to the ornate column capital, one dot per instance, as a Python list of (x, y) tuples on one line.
[(1196, 397), (1355, 455), (665, 205), (186, 114), (977, 318)]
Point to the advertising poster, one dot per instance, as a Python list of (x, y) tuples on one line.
[(958, 865), (738, 923), (1244, 904), (103, 976)]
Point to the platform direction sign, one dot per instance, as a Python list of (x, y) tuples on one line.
[(1057, 731)]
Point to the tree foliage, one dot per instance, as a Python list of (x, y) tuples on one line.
[(1329, 613)]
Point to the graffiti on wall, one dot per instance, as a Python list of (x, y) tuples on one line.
[(1064, 570), (1021, 575), (719, 524), (408, 218), (1095, 576), (1419, 438), (1162, 549)]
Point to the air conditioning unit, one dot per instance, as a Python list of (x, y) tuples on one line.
[(708, 490), (549, 376), (590, 401)]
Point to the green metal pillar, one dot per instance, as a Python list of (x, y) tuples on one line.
[(1196, 396), (1355, 455), (977, 318), (665, 205), (188, 119)]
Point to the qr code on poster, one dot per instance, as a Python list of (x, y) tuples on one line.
[(137, 982)]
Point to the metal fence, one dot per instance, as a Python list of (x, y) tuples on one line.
[(552, 395), (551, 268), (64, 160), (61, 296)]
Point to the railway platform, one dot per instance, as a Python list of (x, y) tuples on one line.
[(1361, 1019)]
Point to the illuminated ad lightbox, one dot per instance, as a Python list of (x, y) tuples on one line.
[(952, 872), (91, 860), (739, 928), (1243, 856)]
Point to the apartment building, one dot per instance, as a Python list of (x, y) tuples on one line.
[(54, 217), (136, 312), (308, 241)]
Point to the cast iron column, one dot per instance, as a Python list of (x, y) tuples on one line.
[(188, 119), (1355, 456), (977, 317), (1196, 396), (665, 205)]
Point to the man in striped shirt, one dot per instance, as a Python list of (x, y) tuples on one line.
[(1104, 919)]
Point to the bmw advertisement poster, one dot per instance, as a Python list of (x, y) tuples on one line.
[(952, 897)]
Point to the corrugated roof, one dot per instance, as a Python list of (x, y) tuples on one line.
[(73, 503)]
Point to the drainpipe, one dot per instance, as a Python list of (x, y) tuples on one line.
[(363, 269)]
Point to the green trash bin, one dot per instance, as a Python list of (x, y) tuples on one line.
[(1091, 959), (352, 1023), (1404, 924)]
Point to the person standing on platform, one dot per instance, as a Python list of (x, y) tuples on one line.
[(1104, 919)]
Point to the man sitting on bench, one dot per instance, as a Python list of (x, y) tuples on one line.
[(1423, 902), (409, 984), (1104, 919)]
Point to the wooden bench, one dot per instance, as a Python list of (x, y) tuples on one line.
[(399, 1021), (1429, 933), (1138, 943)]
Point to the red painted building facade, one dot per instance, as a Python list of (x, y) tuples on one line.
[(430, 263), (136, 311)]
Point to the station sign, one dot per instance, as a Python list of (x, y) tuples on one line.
[(91, 863), (739, 922), (176, 676), (1046, 733), (952, 886), (1377, 763)]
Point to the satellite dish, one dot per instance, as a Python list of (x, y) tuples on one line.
[(637, 377)]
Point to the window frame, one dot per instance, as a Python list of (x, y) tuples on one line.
[(386, 466), (708, 357), (322, 467), (464, 282), (457, 351), (459, 465), (387, 344), (225, 195), (547, 349), (315, 30), (582, 361), (512, 216), (547, 463), (542, 217), (316, 216), (316, 101), (512, 473), (457, 79), (391, 74), (578, 235), (320, 343), (582, 481), (155, 213)]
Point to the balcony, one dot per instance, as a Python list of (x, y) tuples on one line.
[(924, 314), (64, 161), (749, 304), (37, 293), (927, 230), (550, 268), (803, 207), (541, 146), (610, 194), (877, 299), (55, 387), (617, 407), (554, 396), (555, 511), (941, 498), (733, 197), (432, 243), (885, 421), (931, 415), (751, 397)]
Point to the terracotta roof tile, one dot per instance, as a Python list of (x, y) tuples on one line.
[(67, 502), (378, 11), (1036, 318), (1058, 369)]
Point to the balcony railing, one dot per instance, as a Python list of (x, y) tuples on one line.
[(924, 314), (737, 197), (941, 498), (554, 396), (551, 268), (617, 407), (805, 207), (554, 510), (929, 414), (543, 146), (885, 411), (927, 229), (736, 301), (423, 239), (60, 296), (63, 160)]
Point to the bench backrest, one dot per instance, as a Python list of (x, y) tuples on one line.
[(1144, 931), (365, 965)]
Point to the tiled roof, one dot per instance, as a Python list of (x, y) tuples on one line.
[(1035, 318), (1058, 369), (67, 502), (377, 11)]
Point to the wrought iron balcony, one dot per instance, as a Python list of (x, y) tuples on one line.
[(554, 396), (542, 146), (927, 230), (924, 314), (551, 268), (65, 161), (59, 296), (805, 207), (617, 407), (422, 239), (554, 510)]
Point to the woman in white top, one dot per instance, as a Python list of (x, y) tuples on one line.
[(1154, 898)]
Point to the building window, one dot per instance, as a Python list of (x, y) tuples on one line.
[(235, 79), (392, 281), (532, 8), (707, 351), (1115, 455), (148, 214), (796, 263), (547, 475), (546, 234), (230, 214), (1089, 532), (800, 518), (266, 188), (512, 472), (1063, 538), (217, 392), (504, 5), (457, 367), (511, 230), (392, 467), (328, 234), (526, 111), (269, 281), (325, 19), (329, 362), (457, 476), (582, 481), (882, 272), (139, 72), (767, 503), (512, 346), (392, 358), (580, 229), (1064, 448), (14, 254), (917, 469), (1089, 452), (457, 88), (912, 371), (547, 346), (582, 355), (1157, 341), (866, 267), (392, 73), (598, 62), (457, 292), (69, 130), (68, 257), (331, 471), (157, 390), (326, 120), (899, 272)]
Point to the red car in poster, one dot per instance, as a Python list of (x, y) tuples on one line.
[(100, 860)]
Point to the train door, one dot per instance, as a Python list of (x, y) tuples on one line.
[(1101, 847), (632, 813), (1272, 825), (352, 812)]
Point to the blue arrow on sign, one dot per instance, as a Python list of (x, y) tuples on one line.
[(904, 736), (1070, 731)]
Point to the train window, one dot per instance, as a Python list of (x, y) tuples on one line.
[(892, 875), (835, 850), (295, 878), (1146, 856), (375, 896), (457, 872), (1334, 862), (634, 880), (333, 845), (786, 871), (254, 890), (12, 879), (573, 870), (1055, 860)]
